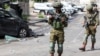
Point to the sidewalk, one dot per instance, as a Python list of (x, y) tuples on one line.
[(34, 17), (35, 22)]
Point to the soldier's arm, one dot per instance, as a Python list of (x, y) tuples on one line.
[(97, 19), (84, 21), (64, 20), (50, 19)]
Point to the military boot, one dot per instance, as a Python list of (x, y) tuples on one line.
[(83, 47), (52, 54), (92, 47), (59, 54)]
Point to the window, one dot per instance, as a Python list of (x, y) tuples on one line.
[(1, 13), (4, 13)]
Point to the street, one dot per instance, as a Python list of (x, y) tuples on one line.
[(74, 34)]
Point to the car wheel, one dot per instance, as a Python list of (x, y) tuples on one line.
[(22, 33)]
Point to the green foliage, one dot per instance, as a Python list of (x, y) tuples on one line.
[(6, 6), (25, 17), (40, 15)]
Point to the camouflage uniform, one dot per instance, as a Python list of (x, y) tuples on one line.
[(57, 32), (91, 22), (95, 8)]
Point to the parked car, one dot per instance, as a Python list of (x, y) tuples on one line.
[(67, 12), (52, 12), (42, 7), (13, 25), (68, 8), (74, 8), (80, 7)]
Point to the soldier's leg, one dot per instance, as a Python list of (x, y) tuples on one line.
[(52, 48), (52, 44), (85, 39), (93, 40), (84, 42), (60, 41), (60, 49)]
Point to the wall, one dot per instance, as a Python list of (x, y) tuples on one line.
[(25, 6)]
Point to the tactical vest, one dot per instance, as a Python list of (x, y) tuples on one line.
[(90, 19), (57, 24)]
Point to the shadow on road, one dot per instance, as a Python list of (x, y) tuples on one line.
[(94, 49)]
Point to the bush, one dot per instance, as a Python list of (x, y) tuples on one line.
[(25, 17), (40, 15)]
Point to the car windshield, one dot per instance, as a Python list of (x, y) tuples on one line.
[(12, 14), (1, 13)]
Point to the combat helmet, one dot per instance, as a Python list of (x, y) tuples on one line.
[(92, 2), (57, 5), (89, 7)]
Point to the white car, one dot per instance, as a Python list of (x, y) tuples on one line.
[(67, 7), (68, 10), (42, 7), (80, 7)]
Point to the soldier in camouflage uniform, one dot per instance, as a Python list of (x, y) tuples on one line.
[(57, 21), (91, 22)]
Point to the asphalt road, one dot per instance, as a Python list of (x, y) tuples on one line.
[(74, 34)]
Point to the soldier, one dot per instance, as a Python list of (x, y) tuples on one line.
[(90, 22), (58, 21)]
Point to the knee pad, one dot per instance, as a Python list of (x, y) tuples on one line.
[(60, 48), (93, 38), (52, 47)]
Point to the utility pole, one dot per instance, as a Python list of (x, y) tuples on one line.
[(25, 6)]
